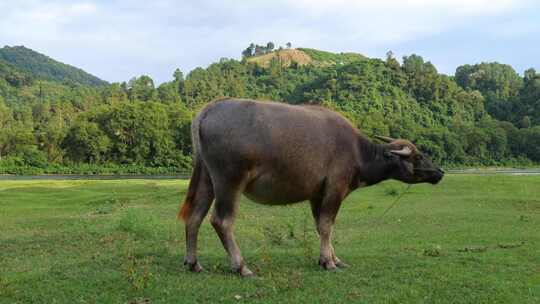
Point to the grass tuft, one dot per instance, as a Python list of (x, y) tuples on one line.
[(140, 223), (433, 251), (391, 191)]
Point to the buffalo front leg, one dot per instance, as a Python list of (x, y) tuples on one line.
[(222, 220), (324, 212)]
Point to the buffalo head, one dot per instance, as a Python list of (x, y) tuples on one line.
[(412, 165)]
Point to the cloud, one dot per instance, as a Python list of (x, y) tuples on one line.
[(119, 39), (391, 21), (452, 7)]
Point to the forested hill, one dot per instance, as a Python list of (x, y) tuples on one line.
[(487, 114), (40, 66)]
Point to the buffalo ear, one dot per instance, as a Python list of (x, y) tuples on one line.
[(385, 138)]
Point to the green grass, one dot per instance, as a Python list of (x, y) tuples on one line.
[(471, 239), (329, 57)]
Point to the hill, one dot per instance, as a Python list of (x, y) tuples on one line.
[(305, 56), (40, 66)]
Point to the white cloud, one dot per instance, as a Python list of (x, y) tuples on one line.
[(36, 12), (454, 7)]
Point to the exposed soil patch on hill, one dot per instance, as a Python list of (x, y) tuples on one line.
[(286, 57)]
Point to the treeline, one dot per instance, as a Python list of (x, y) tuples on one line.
[(132, 124), (486, 115)]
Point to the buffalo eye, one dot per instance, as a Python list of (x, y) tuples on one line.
[(418, 157)]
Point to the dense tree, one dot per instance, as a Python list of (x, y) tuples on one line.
[(178, 75), (529, 75), (249, 51), (142, 89), (270, 47), (256, 50), (115, 94), (86, 142), (528, 106), (259, 50), (498, 83), (64, 122), (5, 121), (168, 92)]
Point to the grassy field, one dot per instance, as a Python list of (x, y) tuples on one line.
[(471, 239)]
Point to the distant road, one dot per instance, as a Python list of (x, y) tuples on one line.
[(508, 171)]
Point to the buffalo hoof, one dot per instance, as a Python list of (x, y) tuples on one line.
[(245, 272), (340, 264), (328, 265), (194, 267)]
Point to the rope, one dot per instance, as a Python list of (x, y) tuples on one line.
[(425, 169), (379, 220)]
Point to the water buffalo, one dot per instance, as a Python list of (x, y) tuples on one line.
[(276, 154)]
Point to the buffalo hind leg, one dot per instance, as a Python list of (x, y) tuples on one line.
[(222, 220), (324, 212), (201, 204)]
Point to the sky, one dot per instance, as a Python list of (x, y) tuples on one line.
[(117, 40)]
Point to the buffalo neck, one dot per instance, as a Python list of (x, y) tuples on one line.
[(374, 166)]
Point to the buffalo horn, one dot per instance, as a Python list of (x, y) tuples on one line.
[(384, 138), (405, 151)]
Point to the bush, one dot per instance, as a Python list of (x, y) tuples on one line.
[(16, 165), (33, 157)]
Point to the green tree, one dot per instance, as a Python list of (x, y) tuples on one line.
[(139, 133), (168, 92), (270, 47), (528, 104), (86, 142), (114, 94), (259, 50), (178, 75), (142, 89), (5, 122), (249, 51), (499, 84)]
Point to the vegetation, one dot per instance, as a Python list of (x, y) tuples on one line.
[(485, 115), (470, 239), (328, 57)]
